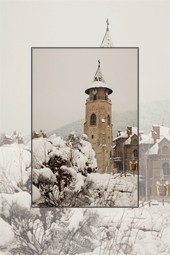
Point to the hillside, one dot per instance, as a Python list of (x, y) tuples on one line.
[(120, 121), (156, 112)]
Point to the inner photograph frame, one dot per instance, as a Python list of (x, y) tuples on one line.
[(91, 162)]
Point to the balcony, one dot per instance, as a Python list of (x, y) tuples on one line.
[(117, 159), (98, 98)]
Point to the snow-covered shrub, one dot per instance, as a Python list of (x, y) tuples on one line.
[(60, 169), (41, 149)]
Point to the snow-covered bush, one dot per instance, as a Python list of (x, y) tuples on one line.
[(60, 170)]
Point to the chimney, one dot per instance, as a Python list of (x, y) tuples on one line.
[(140, 135), (156, 129), (119, 132), (44, 135), (36, 135), (154, 136), (129, 130), (20, 140)]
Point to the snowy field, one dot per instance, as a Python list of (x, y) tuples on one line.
[(65, 174), (53, 231)]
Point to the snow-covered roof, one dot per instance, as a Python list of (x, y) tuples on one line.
[(146, 139), (128, 141), (164, 131), (123, 134), (8, 136), (98, 84), (107, 40), (154, 149), (98, 81), (135, 130)]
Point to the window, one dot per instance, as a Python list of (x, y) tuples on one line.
[(108, 120), (135, 141), (92, 136), (165, 150), (165, 167), (93, 119), (135, 153)]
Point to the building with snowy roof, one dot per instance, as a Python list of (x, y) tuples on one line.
[(154, 161), (125, 150)]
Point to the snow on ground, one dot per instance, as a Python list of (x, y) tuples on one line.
[(143, 231), (17, 203), (122, 191), (15, 159), (75, 218), (6, 234)]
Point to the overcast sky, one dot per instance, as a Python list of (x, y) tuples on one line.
[(24, 24), (60, 77)]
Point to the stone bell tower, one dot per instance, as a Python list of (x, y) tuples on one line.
[(98, 120)]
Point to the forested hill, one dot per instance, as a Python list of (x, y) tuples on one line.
[(157, 112)]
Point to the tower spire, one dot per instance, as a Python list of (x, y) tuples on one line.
[(107, 41), (98, 75)]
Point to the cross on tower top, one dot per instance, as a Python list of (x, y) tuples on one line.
[(99, 63), (107, 22)]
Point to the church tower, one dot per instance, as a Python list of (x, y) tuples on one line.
[(98, 120)]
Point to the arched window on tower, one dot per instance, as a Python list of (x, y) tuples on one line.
[(165, 167), (93, 120), (108, 120)]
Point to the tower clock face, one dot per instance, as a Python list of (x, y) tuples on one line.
[(94, 91)]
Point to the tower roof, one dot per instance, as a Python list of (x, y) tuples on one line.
[(98, 81), (107, 40)]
